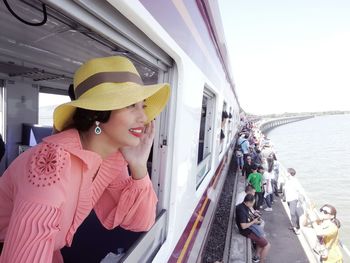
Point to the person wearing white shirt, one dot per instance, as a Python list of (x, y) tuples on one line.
[(268, 177), (292, 197), (275, 183)]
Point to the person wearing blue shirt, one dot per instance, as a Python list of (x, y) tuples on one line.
[(245, 146)]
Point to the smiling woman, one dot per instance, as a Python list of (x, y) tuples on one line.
[(84, 166)]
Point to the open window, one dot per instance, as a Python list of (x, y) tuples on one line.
[(205, 140), (47, 104), (230, 126), (41, 60), (223, 131), (2, 110), (2, 127)]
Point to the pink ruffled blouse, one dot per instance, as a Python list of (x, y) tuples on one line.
[(48, 191)]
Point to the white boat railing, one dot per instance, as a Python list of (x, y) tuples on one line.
[(308, 232)]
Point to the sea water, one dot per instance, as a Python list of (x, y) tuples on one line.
[(319, 150)]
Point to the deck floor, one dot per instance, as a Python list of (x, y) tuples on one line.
[(285, 246)]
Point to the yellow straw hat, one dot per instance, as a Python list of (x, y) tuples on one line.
[(110, 83)]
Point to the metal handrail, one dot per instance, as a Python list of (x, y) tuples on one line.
[(306, 203)]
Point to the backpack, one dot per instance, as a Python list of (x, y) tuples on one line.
[(238, 147)]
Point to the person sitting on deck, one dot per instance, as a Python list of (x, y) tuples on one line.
[(240, 199), (245, 220)]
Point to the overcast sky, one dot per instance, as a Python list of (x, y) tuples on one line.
[(289, 56)]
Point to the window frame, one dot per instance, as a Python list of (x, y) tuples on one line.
[(204, 166), (110, 24), (222, 142)]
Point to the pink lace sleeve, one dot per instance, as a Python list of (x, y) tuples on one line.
[(129, 203), (31, 234), (33, 185)]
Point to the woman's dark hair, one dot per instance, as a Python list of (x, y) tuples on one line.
[(71, 93), (222, 135), (84, 119), (254, 167), (335, 220), (249, 198), (224, 115)]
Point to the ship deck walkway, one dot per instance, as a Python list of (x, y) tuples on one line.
[(285, 245)]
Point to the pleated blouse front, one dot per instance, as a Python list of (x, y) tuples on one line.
[(48, 191)]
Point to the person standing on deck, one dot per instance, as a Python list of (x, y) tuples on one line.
[(292, 198), (245, 147), (247, 167), (328, 231), (256, 156), (255, 179), (275, 184), (239, 152), (267, 153), (268, 177)]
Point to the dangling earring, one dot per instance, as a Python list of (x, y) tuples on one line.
[(98, 129)]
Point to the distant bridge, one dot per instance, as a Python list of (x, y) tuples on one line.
[(266, 125)]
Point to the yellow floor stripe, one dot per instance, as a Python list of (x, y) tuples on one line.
[(184, 250), (187, 243)]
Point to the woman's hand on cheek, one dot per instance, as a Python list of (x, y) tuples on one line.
[(137, 156)]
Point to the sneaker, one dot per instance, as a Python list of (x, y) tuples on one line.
[(297, 231), (268, 209), (256, 259)]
